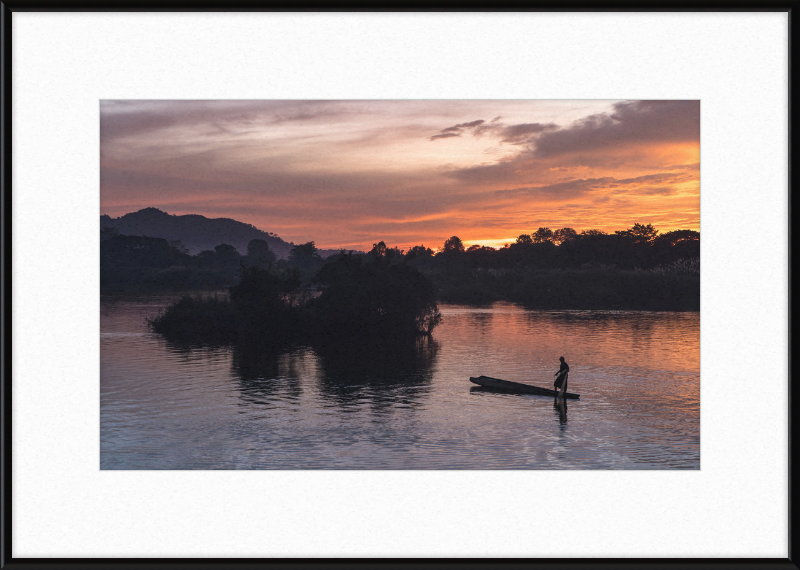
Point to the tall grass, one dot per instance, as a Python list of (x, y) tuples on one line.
[(681, 266)]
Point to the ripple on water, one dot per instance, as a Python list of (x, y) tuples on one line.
[(171, 407)]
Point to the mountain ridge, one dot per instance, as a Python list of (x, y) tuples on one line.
[(197, 232)]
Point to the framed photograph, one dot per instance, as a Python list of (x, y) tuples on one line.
[(396, 285)]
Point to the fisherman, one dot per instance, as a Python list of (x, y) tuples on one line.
[(561, 375)]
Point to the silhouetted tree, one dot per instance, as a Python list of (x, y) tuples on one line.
[(524, 239), (453, 245), (564, 234), (227, 255), (139, 251), (368, 298), (108, 232), (640, 233), (593, 233), (206, 258), (542, 235), (306, 259), (378, 249), (677, 236), (395, 254), (178, 244), (390, 254), (482, 256), (259, 253), (261, 291), (303, 253), (419, 251), (671, 246), (143, 264)]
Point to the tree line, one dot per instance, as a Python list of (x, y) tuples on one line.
[(639, 247), (638, 267)]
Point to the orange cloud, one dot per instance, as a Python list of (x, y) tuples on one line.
[(350, 173)]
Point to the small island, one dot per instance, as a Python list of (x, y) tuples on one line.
[(353, 296)]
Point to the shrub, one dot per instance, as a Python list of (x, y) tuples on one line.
[(197, 319), (363, 298)]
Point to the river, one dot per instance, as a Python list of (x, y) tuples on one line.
[(166, 406)]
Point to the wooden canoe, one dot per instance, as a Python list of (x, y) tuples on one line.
[(516, 387)]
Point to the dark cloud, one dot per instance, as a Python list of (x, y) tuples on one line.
[(462, 126), (489, 173), (522, 133), (606, 140), (515, 134), (122, 119), (345, 195), (455, 130), (662, 177), (630, 123), (573, 188), (443, 136), (657, 190), (487, 129), (695, 166), (570, 188), (134, 118), (130, 124)]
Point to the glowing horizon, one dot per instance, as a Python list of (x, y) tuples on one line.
[(347, 174)]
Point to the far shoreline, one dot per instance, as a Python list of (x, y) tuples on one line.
[(119, 296)]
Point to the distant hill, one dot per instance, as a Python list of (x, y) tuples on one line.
[(197, 232)]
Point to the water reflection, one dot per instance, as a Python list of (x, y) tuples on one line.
[(559, 404), (560, 407), (624, 339), (482, 320), (384, 405), (380, 373), (191, 355), (266, 374)]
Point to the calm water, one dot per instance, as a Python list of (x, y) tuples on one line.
[(165, 406)]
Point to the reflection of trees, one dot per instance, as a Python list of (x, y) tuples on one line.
[(266, 373), (192, 352), (641, 324), (642, 330), (482, 321), (385, 373)]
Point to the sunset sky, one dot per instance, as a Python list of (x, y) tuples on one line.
[(351, 173)]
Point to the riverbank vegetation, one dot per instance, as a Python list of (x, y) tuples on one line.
[(586, 288), (638, 268)]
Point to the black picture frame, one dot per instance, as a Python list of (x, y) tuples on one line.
[(7, 10)]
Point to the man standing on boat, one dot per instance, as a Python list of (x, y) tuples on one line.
[(561, 380)]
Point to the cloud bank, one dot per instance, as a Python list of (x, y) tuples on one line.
[(349, 173)]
